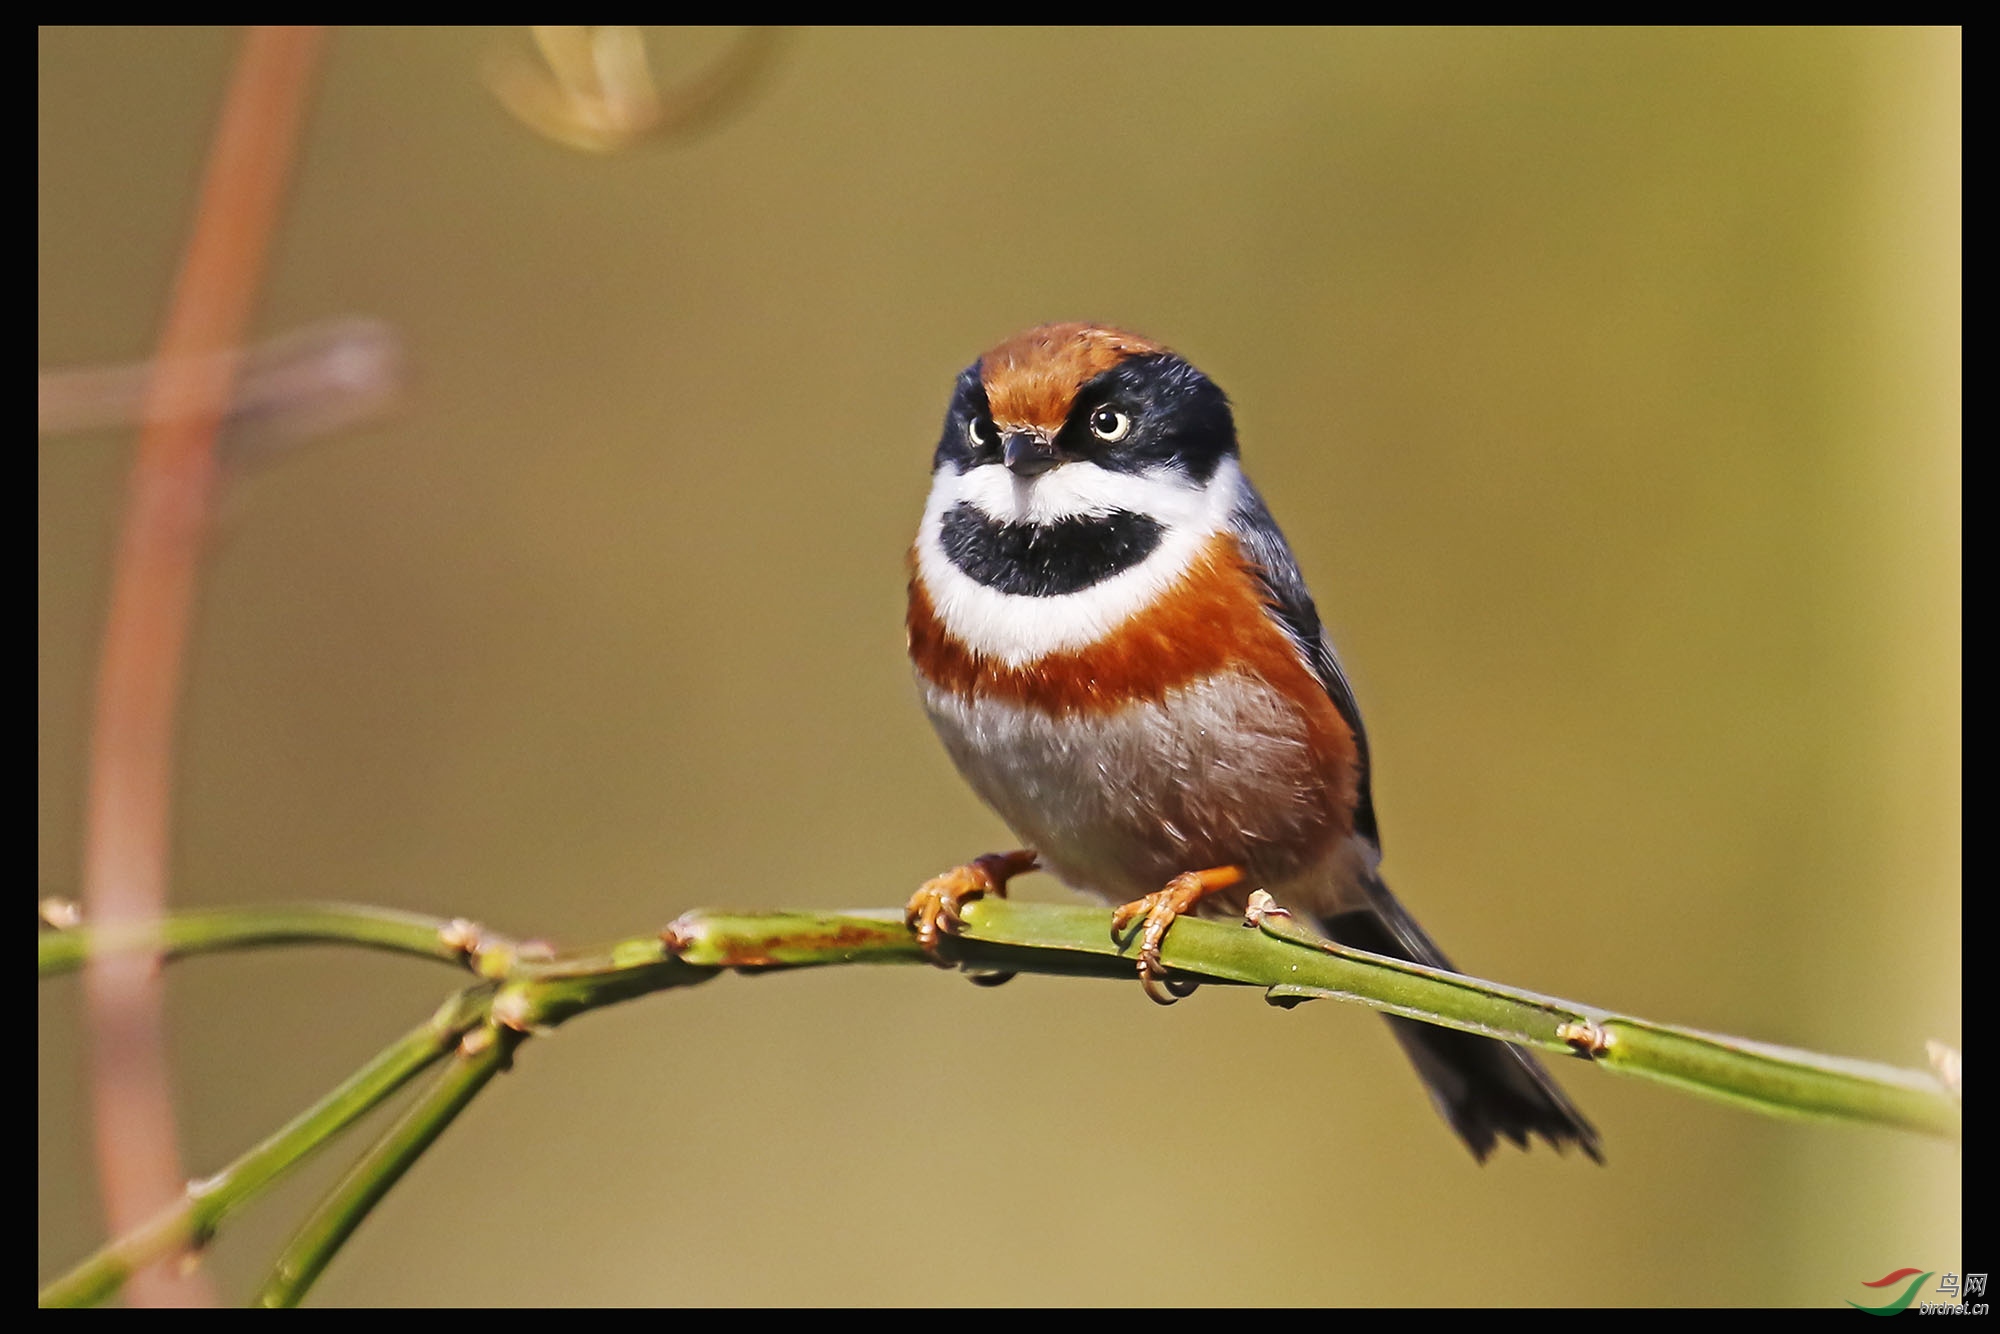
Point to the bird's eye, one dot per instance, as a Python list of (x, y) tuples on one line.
[(1110, 425), (980, 432)]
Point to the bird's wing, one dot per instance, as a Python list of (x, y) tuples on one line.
[(1285, 588)]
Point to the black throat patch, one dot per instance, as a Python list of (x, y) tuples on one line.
[(1050, 559)]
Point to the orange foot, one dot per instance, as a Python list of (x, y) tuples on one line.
[(1160, 909), (933, 911)]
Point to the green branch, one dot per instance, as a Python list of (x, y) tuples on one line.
[(531, 989), (188, 1224), (207, 931), (1778, 1081), (483, 1053)]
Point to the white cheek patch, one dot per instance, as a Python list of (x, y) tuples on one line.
[(1018, 629), (1077, 490)]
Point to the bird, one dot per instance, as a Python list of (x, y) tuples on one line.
[(1116, 645)]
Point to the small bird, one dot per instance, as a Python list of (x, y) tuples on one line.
[(1114, 642)]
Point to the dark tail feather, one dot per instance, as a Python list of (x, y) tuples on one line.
[(1486, 1089)]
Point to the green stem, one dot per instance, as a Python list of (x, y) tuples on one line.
[(1774, 1080), (212, 930), (484, 1053), (189, 1223), (1294, 965), (1778, 1081), (1297, 965), (532, 992)]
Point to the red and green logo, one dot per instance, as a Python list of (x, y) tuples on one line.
[(1900, 1304)]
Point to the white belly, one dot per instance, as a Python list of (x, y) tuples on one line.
[(1216, 774)]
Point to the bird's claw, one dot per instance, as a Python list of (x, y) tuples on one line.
[(1159, 909), (937, 909), (934, 911)]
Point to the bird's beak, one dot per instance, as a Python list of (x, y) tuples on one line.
[(1028, 453)]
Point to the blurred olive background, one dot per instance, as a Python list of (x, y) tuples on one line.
[(1606, 382)]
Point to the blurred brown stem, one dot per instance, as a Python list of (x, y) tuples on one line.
[(154, 575)]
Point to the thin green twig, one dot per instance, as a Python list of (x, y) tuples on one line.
[(208, 931), (188, 1224), (1762, 1077), (483, 1053)]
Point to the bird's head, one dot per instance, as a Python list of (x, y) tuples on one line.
[(1085, 398)]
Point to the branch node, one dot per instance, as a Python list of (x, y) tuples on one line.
[(1585, 1038), (1949, 1065), (461, 934), (513, 1008), (1262, 905), (678, 934), (60, 913)]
